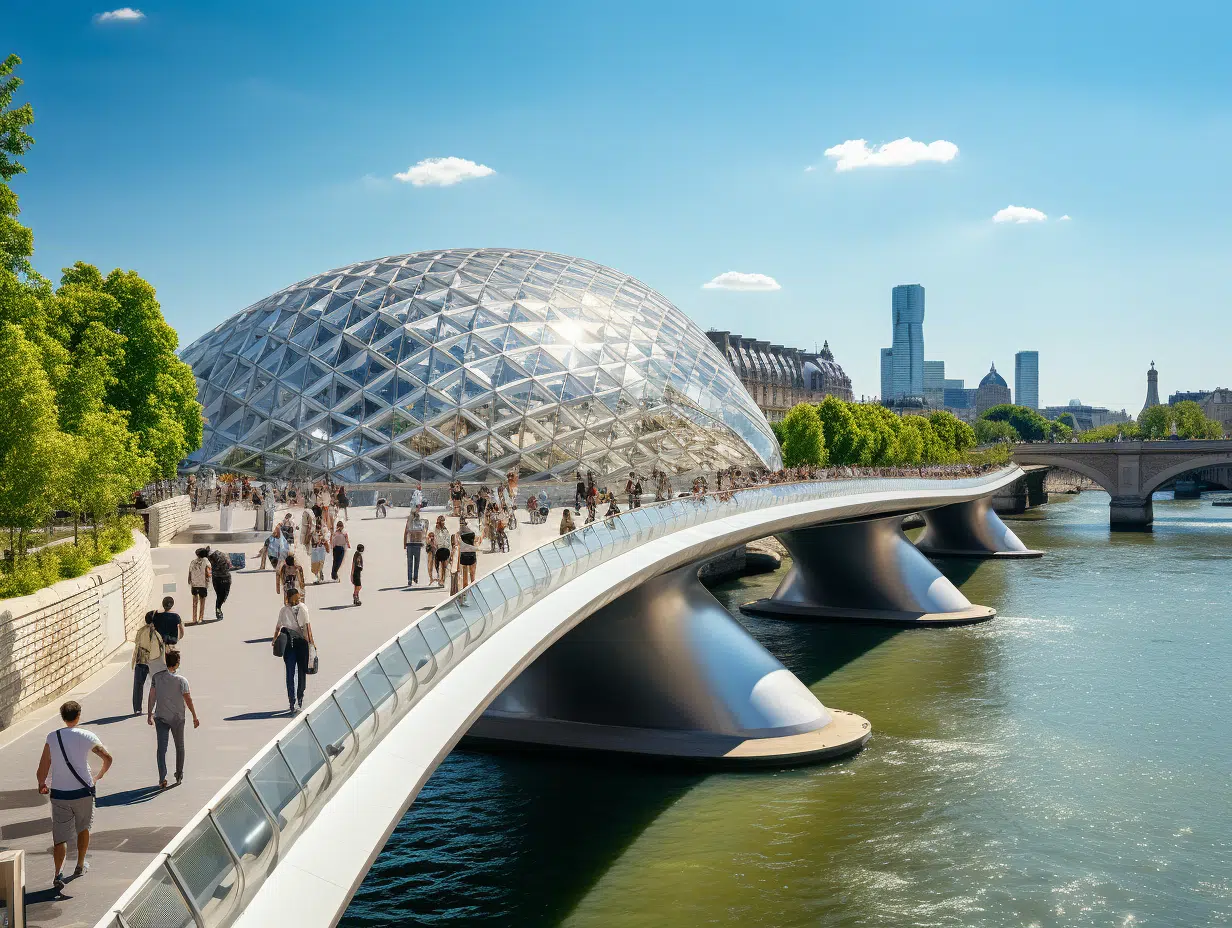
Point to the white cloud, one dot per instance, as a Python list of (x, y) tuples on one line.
[(1064, 218), (1019, 214), (738, 280), (125, 14), (442, 172), (856, 153)]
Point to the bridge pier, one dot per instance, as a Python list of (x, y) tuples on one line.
[(1034, 481), (970, 530), (866, 571), (1131, 514), (665, 670)]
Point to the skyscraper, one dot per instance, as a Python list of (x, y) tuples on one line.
[(887, 373), (907, 307), (1026, 378), (934, 383)]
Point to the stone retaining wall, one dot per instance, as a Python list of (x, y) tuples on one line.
[(167, 519), (52, 639)]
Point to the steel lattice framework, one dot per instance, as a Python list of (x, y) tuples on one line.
[(468, 363)]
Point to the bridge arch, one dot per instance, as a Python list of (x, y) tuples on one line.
[(1176, 470), (1106, 481)]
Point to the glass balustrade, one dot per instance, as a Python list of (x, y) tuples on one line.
[(221, 861)]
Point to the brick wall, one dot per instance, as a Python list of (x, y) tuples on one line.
[(53, 639), (167, 519)]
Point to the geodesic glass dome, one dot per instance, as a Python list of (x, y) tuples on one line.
[(469, 363)]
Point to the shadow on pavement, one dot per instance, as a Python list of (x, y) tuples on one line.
[(254, 716), (127, 797), (265, 640), (111, 719), (21, 799), (17, 830)]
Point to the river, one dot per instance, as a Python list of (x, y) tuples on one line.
[(1066, 764)]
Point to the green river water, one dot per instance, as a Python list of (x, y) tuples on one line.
[(1066, 764)]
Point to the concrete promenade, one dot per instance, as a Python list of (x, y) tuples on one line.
[(240, 694)]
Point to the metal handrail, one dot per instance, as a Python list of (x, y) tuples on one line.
[(716, 505)]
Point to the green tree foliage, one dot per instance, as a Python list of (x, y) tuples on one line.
[(33, 450), (842, 435), (803, 437), (989, 432), (1028, 423), (953, 432), (1190, 421), (16, 241), (1067, 419), (107, 466), (1127, 430)]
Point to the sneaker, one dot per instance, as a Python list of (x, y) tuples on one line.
[(58, 882), (218, 613), (81, 871), (291, 709), (179, 778)]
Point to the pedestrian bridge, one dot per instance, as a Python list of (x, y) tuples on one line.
[(1129, 470), (601, 639)]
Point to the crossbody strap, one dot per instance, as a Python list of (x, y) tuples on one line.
[(68, 763)]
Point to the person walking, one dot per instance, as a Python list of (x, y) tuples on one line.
[(579, 494), (66, 755), (199, 583), (566, 522), (443, 551), (295, 622), (318, 553), (292, 578), (357, 571), (148, 648), (258, 524), (168, 624), (169, 694), (307, 522), (629, 488), (220, 574), (413, 536), (339, 541), (344, 503), (467, 546), (417, 497), (277, 551)]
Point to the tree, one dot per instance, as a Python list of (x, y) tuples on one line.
[(1061, 431), (33, 450), (953, 432), (989, 432), (1027, 423), (1067, 419), (803, 437), (1155, 422), (107, 467), (842, 432), (1191, 421), (16, 241)]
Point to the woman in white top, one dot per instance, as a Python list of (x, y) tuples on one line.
[(293, 619), (277, 551), (199, 574), (307, 522)]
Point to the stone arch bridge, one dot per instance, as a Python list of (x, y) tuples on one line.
[(1129, 470)]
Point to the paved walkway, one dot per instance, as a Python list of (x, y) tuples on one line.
[(240, 694)]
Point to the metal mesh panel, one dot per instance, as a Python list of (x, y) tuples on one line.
[(158, 904), (208, 872), (242, 820)]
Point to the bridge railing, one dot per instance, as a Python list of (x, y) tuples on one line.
[(217, 862)]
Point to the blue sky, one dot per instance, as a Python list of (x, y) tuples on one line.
[(227, 149)]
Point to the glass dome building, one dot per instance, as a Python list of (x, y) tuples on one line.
[(467, 364)]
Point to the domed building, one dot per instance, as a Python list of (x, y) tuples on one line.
[(466, 364), (992, 391)]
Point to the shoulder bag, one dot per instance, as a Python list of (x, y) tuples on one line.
[(314, 661), (280, 643)]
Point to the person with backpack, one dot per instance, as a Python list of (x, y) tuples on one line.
[(413, 537), (199, 583), (293, 641), (148, 648), (220, 575), (71, 786), (169, 694)]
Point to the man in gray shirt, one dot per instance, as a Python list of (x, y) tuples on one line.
[(169, 694)]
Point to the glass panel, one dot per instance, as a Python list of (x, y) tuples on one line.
[(437, 638), (306, 760), (450, 615), (243, 821), (521, 573), (376, 684), (417, 652), (474, 609), (354, 703), (207, 871), (493, 597), (331, 730), (278, 789), (539, 571), (158, 904), (551, 557), (398, 668)]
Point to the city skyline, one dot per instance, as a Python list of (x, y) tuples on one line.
[(803, 223)]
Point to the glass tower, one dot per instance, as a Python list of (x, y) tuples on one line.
[(1026, 378), (907, 304), (887, 373)]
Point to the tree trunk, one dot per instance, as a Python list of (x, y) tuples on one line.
[(76, 522)]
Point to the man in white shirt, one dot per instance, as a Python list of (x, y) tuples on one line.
[(417, 498), (66, 754)]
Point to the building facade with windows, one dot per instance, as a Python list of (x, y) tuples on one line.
[(468, 364), (1026, 378), (778, 378), (992, 391)]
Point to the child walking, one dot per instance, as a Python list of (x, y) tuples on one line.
[(357, 570)]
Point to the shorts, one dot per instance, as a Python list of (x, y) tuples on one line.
[(200, 591), (69, 817), (467, 558), (442, 555)]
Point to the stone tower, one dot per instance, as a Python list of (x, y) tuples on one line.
[(1152, 388)]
